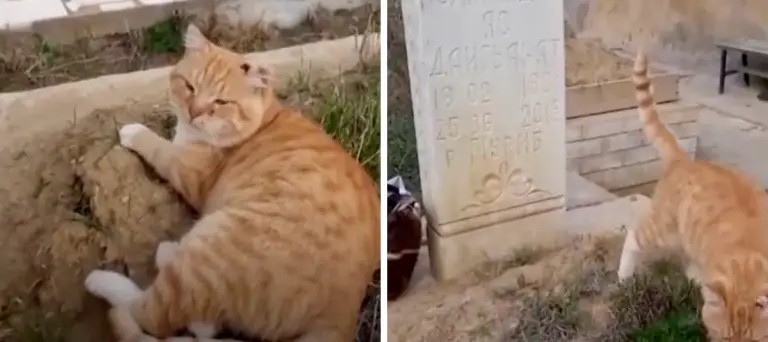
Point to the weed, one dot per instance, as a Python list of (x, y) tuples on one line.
[(661, 301), (39, 327), (165, 36), (549, 317), (353, 119), (28, 61)]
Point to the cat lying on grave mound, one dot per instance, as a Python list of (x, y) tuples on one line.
[(717, 217), (289, 232)]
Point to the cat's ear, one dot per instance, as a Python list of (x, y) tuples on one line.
[(256, 75), (194, 40)]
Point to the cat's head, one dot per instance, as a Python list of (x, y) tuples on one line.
[(218, 93), (736, 313)]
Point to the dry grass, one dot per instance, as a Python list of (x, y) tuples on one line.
[(28, 62), (659, 305)]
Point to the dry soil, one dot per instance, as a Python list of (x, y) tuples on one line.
[(511, 301), (72, 200)]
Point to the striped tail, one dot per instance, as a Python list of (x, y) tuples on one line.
[(655, 131)]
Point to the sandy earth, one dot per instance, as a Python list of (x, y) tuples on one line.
[(489, 305), (587, 62), (71, 200)]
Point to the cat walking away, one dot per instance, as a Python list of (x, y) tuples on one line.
[(716, 217)]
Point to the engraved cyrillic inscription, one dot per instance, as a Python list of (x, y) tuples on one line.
[(493, 93)]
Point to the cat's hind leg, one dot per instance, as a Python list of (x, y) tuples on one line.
[(125, 329), (166, 250), (637, 241), (155, 310)]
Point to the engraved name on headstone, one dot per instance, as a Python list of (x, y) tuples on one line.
[(488, 95)]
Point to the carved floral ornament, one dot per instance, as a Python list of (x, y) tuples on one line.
[(497, 184)]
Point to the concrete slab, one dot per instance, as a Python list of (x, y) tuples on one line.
[(738, 100), (734, 141), (580, 192)]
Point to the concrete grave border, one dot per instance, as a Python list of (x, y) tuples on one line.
[(596, 98), (28, 112)]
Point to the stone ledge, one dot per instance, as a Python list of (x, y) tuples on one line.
[(628, 120), (97, 22), (580, 192), (453, 256), (623, 141), (616, 95), (628, 176), (625, 157)]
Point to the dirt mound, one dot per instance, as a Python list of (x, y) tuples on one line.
[(588, 62), (70, 201), (562, 294)]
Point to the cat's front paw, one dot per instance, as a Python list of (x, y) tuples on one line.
[(129, 134), (113, 287)]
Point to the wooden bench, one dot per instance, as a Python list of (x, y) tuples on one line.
[(744, 46)]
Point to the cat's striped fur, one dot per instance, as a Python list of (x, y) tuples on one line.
[(289, 232), (716, 217)]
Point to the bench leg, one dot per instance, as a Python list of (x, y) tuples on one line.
[(723, 57), (744, 64)]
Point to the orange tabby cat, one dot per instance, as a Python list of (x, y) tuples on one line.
[(717, 217), (289, 232), (126, 328)]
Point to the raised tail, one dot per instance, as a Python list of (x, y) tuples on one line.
[(655, 131)]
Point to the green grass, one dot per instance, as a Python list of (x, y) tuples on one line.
[(165, 36), (661, 305), (401, 138), (677, 327), (348, 109), (350, 113)]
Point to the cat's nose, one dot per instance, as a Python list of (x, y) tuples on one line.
[(198, 108)]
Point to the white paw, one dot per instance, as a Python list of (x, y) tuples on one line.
[(202, 330), (129, 132), (165, 252), (113, 287), (623, 276)]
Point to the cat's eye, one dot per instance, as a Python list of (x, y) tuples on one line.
[(189, 87), (245, 67), (220, 102)]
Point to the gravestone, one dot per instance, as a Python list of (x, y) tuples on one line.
[(488, 91)]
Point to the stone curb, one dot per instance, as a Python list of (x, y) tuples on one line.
[(29, 112)]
